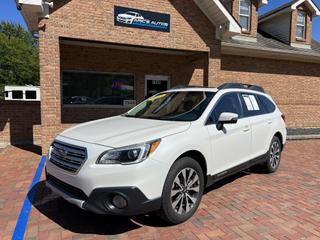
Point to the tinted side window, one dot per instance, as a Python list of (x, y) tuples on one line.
[(227, 103), (251, 105), (269, 106), (17, 95), (31, 94)]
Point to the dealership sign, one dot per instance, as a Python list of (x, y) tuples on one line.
[(135, 18)]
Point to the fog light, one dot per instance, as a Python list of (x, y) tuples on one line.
[(119, 202)]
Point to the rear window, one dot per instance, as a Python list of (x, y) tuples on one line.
[(252, 105), (269, 106)]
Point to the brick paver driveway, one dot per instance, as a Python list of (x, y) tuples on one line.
[(249, 205)]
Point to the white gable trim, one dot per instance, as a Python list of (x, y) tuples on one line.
[(234, 25), (312, 6), (219, 16)]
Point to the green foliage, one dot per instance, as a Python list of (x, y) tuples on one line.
[(19, 59)]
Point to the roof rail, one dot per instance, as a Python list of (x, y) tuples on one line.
[(186, 86), (241, 86)]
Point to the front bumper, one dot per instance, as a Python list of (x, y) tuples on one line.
[(93, 185), (124, 20), (100, 199)]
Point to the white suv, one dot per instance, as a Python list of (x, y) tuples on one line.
[(129, 17), (160, 155)]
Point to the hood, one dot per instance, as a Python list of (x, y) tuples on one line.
[(122, 131)]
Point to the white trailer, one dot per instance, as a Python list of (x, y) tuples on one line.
[(22, 93)]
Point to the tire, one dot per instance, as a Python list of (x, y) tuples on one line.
[(180, 200), (274, 156)]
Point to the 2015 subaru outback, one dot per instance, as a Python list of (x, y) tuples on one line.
[(160, 155)]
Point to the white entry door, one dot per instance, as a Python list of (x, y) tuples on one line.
[(155, 84)]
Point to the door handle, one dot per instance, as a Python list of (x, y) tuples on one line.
[(269, 121), (246, 129)]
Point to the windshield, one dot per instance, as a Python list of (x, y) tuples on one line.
[(173, 106), (131, 13)]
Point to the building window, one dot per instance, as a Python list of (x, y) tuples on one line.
[(301, 25), (6, 94), (245, 14), (31, 94), (228, 5), (97, 88), (17, 95)]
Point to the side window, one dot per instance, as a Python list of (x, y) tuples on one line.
[(269, 106), (31, 94), (17, 94), (227, 103), (251, 105)]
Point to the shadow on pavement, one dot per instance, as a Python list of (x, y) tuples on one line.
[(77, 220), (30, 148)]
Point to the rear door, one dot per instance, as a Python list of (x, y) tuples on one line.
[(261, 123), (232, 145)]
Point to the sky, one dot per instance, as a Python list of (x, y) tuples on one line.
[(9, 12)]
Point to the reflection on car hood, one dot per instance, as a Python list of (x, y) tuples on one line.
[(122, 131)]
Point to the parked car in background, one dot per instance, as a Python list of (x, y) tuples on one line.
[(160, 155), (112, 100), (80, 100)]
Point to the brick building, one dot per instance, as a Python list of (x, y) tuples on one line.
[(99, 58)]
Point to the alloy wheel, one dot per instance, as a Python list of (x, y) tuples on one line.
[(275, 154), (185, 190)]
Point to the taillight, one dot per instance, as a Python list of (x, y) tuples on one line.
[(283, 117)]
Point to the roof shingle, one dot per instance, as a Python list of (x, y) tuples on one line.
[(266, 41)]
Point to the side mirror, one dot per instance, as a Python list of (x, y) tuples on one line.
[(227, 118)]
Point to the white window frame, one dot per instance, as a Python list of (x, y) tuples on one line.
[(301, 25), (245, 15)]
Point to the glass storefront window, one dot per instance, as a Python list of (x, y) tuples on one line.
[(97, 88)]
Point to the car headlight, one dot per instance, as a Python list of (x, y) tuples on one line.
[(130, 154)]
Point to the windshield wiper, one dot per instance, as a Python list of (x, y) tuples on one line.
[(132, 116), (127, 115)]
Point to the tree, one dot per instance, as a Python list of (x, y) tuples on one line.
[(19, 58)]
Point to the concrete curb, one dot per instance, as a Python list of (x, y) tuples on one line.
[(303, 137)]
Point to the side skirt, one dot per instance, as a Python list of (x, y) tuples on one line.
[(211, 179)]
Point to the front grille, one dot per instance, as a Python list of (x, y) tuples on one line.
[(67, 157), (70, 190)]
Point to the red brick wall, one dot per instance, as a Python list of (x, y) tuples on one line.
[(295, 86), (94, 20), (20, 123)]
